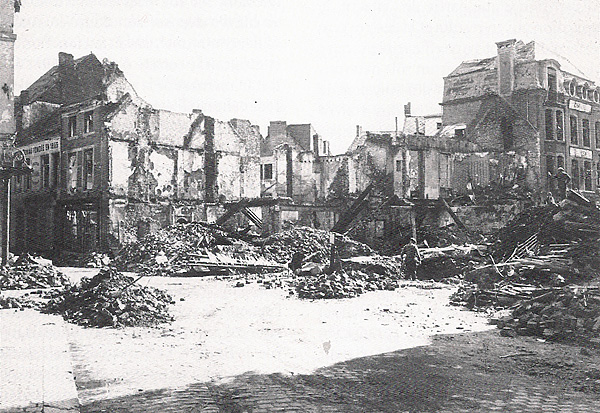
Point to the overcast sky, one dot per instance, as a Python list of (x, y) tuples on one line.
[(333, 63)]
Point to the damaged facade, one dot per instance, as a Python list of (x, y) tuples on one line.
[(529, 116), (107, 165)]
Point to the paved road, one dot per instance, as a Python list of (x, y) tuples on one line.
[(255, 350)]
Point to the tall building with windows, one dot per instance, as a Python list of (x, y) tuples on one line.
[(532, 111)]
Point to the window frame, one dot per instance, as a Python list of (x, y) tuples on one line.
[(72, 126), (559, 125), (45, 170), (88, 121), (573, 129), (585, 133)]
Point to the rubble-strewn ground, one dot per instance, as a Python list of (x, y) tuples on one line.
[(261, 350)]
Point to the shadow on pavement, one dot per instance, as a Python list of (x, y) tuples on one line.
[(469, 372), (393, 382)]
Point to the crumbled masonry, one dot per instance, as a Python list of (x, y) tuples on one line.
[(27, 273), (111, 299)]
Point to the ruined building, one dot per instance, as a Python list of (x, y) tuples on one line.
[(529, 114), (108, 165)]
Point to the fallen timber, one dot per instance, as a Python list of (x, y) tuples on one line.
[(220, 264)]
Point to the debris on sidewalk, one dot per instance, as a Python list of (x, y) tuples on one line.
[(17, 303), (89, 260), (313, 243), (343, 284), (111, 299), (31, 272), (174, 245), (566, 314)]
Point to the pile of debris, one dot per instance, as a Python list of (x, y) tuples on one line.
[(17, 303), (556, 314), (168, 250), (343, 284), (89, 260), (29, 272), (312, 243), (111, 299)]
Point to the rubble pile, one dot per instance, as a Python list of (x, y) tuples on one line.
[(445, 236), (558, 314), (17, 303), (89, 260), (312, 243), (29, 272), (518, 230), (450, 261), (343, 284), (176, 245), (111, 299), (384, 266)]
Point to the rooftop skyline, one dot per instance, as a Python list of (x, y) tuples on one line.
[(333, 64)]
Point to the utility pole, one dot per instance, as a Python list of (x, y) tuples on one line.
[(12, 163)]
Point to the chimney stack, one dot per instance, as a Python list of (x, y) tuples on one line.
[(506, 67), (407, 109), (358, 130), (65, 60)]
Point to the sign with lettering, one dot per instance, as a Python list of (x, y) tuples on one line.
[(580, 153), (40, 148), (582, 107)]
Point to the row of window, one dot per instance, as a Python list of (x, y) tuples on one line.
[(87, 124), (80, 171), (555, 129), (582, 91)]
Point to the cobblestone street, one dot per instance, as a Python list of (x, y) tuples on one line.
[(256, 350)]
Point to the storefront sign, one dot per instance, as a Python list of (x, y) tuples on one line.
[(582, 107), (43, 147), (580, 153)]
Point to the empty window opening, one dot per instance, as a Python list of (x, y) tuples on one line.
[(72, 126), (88, 121)]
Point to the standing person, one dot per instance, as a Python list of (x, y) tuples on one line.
[(411, 259), (562, 180)]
